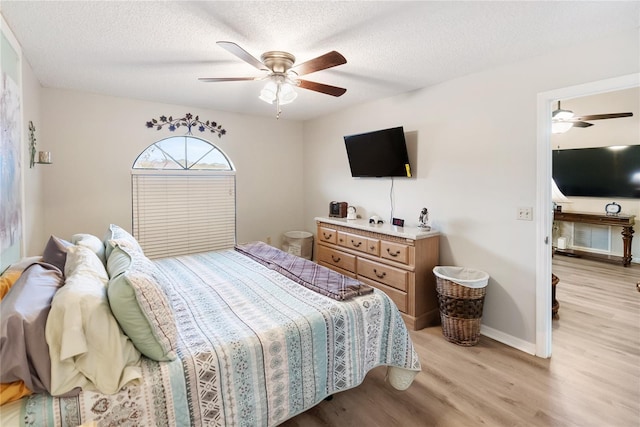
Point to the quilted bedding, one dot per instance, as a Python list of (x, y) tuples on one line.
[(305, 272), (254, 349)]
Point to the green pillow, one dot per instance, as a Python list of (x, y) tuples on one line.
[(118, 233), (139, 304)]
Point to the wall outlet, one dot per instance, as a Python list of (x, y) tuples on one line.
[(524, 214)]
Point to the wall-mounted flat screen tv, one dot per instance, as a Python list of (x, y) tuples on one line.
[(380, 153), (598, 172)]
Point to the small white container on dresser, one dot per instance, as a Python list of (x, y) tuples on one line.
[(396, 260)]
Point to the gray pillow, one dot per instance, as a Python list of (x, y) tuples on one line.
[(55, 252), (23, 346)]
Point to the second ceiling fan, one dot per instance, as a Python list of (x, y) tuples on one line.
[(282, 75), (563, 120)]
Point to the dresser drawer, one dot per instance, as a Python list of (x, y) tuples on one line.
[(352, 241), (328, 235), (390, 276), (373, 247), (338, 269), (336, 258), (398, 297), (394, 251)]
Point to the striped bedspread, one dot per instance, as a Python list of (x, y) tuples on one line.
[(255, 349)]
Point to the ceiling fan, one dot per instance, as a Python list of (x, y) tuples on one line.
[(563, 120), (282, 76)]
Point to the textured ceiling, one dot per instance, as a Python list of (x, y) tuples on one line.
[(156, 51)]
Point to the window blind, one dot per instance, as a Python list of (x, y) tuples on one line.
[(183, 213)]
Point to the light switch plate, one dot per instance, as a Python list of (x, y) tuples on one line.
[(524, 214)]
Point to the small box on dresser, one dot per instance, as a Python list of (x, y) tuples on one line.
[(397, 260)]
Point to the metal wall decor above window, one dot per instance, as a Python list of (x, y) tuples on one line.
[(188, 121)]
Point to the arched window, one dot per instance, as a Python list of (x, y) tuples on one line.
[(183, 202), (183, 153)]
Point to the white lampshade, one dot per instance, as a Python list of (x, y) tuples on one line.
[(278, 91), (556, 194), (269, 93), (287, 94)]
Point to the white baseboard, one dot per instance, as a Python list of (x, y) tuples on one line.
[(509, 340)]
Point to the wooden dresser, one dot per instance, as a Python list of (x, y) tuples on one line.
[(396, 260)]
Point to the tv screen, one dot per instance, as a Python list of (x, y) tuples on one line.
[(381, 153), (598, 172)]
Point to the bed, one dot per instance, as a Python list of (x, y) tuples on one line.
[(230, 337)]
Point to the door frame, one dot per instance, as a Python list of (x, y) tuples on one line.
[(543, 198)]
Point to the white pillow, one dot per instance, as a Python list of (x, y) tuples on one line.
[(92, 242), (81, 258), (87, 347)]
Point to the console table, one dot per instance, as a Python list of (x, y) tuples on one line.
[(624, 221)]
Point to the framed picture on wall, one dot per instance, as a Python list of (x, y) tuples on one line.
[(10, 148)]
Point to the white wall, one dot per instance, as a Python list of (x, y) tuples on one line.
[(95, 139), (475, 164), (32, 177)]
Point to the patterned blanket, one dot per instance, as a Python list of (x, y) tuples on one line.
[(254, 349), (307, 273)]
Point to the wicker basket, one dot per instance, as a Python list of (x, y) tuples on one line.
[(460, 311)]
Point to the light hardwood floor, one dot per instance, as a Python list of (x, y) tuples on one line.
[(592, 378)]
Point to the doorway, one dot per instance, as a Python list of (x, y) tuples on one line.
[(544, 221)]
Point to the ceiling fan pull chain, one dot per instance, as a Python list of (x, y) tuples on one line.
[(278, 111)]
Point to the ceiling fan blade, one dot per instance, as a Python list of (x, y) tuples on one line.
[(226, 79), (242, 54), (322, 88), (603, 116), (581, 124), (322, 62)]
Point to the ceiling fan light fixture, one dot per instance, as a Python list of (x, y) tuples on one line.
[(287, 95), (269, 92), (561, 127), (562, 114), (276, 91)]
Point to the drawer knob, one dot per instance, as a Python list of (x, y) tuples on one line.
[(355, 244), (393, 254), (327, 236), (379, 275), (335, 258)]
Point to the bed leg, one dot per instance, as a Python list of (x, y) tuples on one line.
[(400, 378)]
